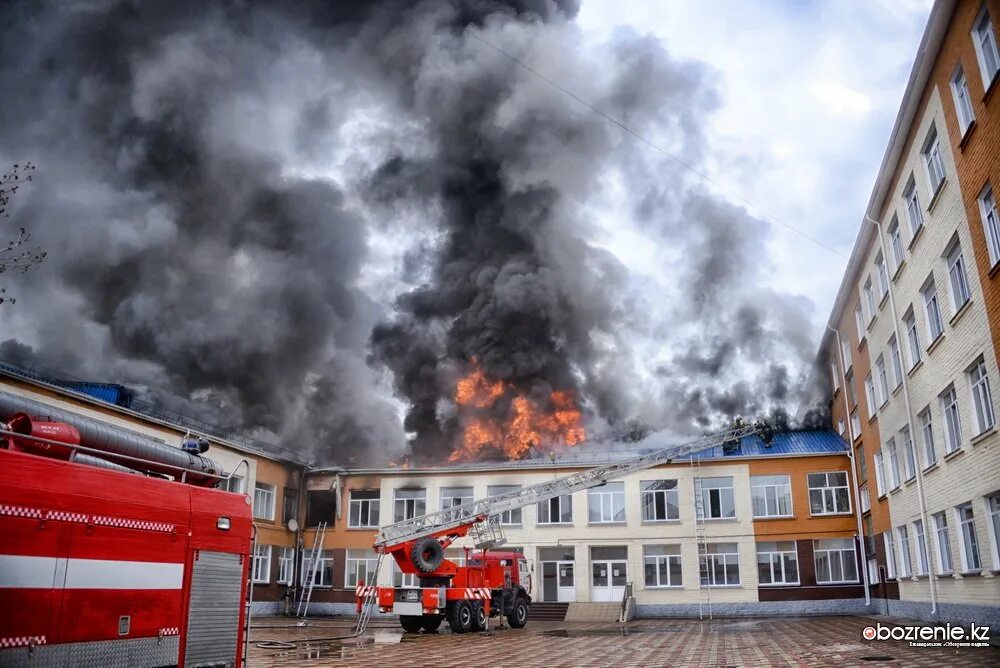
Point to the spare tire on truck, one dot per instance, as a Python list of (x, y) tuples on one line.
[(427, 554)]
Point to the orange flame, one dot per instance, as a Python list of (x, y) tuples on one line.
[(524, 426)]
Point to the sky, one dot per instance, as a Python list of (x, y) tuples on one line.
[(809, 91), (310, 220)]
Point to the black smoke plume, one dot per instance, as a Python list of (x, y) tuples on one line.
[(279, 215)]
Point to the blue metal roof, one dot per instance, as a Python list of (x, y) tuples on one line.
[(786, 443), (112, 393)]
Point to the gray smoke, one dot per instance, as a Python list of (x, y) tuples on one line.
[(277, 216)]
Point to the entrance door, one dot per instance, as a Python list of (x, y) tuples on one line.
[(558, 581), (609, 578)]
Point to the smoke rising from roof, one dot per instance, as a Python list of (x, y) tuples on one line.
[(309, 220)]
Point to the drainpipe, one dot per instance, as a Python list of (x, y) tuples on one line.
[(854, 474), (931, 578)]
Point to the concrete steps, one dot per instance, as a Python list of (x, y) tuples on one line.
[(593, 612), (548, 611)]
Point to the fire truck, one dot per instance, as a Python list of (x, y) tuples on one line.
[(490, 583), (115, 548)]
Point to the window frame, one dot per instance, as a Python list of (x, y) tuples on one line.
[(870, 399), (923, 554), (958, 276), (286, 566), (882, 378), (991, 222), (942, 547), (407, 502), (781, 555), (912, 337), (963, 102), (671, 560), (981, 396), (969, 545), (991, 506), (903, 536), (269, 492), (707, 562), (603, 494), (376, 500), (933, 315), (896, 362), (880, 481), (786, 487), (833, 493), (508, 518), (982, 28), (353, 563), (841, 551), (706, 503), (559, 502), (952, 420), (261, 563), (914, 214), (909, 454), (896, 243), (323, 577), (926, 420), (447, 498), (933, 162), (889, 541), (667, 494)]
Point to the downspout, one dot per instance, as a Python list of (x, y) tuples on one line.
[(854, 474), (931, 577)]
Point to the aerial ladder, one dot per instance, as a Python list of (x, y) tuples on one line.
[(491, 582)]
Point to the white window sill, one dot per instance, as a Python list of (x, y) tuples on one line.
[(718, 519), (664, 587), (920, 363), (842, 582), (542, 525), (607, 524), (841, 514), (779, 584), (262, 582), (937, 194), (657, 522), (954, 453), (774, 517), (732, 586), (983, 435), (372, 528), (916, 235), (956, 316), (935, 343)]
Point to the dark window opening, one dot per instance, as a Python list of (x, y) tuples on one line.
[(322, 507)]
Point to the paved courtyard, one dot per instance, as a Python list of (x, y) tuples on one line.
[(808, 641)]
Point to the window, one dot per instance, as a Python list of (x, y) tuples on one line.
[(323, 573), (991, 223), (963, 105), (921, 539), (873, 575), (286, 564), (856, 424), (943, 543), (956, 276), (606, 504), (896, 243), (835, 376), (401, 579), (455, 496), (933, 311), (263, 501), (883, 277), (720, 565), (360, 568), (932, 159), (879, 473), (897, 362), (777, 563), (662, 565), (771, 495), (912, 337), (870, 399), (321, 506), (660, 500), (842, 428), (716, 496), (893, 470), (828, 493), (970, 541), (557, 510), (364, 510), (862, 468), (409, 503), (852, 395), (909, 458), (982, 398), (845, 353), (508, 517), (927, 434), (262, 564), (289, 505), (904, 551), (859, 322), (913, 212), (952, 421), (866, 499), (836, 561), (890, 554), (232, 484), (883, 381), (870, 309), (985, 40), (993, 508)]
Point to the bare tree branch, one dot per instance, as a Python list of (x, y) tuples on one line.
[(16, 255)]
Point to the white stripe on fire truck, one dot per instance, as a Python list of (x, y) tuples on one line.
[(24, 572), (82, 518)]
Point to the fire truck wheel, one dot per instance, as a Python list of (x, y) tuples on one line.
[(518, 616), (460, 617), (411, 623), (427, 554), (432, 623), (478, 617)]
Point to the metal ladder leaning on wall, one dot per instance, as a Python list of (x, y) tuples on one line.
[(314, 555), (704, 570), (370, 599)]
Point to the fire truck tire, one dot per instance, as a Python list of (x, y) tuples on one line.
[(460, 617), (432, 623), (478, 617), (427, 554), (518, 616), (411, 623)]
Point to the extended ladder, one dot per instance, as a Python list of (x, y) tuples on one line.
[(314, 559), (704, 570), (478, 511), (370, 598)]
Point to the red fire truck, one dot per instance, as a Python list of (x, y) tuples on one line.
[(115, 549)]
